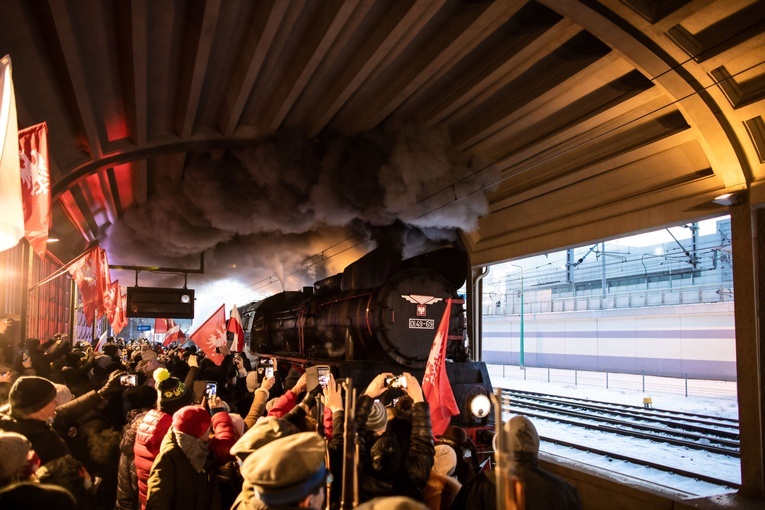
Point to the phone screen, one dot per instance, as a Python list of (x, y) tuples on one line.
[(211, 389), (323, 373), (269, 372), (128, 380)]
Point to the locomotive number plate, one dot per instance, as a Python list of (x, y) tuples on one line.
[(422, 324)]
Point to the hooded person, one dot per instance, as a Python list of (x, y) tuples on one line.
[(172, 394), (289, 472), (14, 461), (541, 489), (184, 474), (442, 487)]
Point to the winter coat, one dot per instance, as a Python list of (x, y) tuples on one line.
[(175, 485), (441, 491), (417, 459), (173, 482), (127, 479), (256, 409), (542, 490), (48, 444), (148, 440)]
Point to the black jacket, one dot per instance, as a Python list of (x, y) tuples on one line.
[(416, 459), (542, 490)]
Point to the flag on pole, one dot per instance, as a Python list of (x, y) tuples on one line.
[(211, 336), (35, 186), (435, 384), (174, 334), (85, 272), (112, 301), (104, 283), (162, 325), (12, 219), (120, 320), (101, 341), (235, 327)]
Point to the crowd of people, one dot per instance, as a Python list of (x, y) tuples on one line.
[(140, 426)]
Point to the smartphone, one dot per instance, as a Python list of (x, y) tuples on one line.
[(323, 374), (211, 389), (269, 372), (128, 380)]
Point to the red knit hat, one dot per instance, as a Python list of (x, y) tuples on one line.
[(192, 420)]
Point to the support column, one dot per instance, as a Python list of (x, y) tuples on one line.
[(747, 226)]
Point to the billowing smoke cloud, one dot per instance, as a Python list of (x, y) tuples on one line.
[(291, 210)]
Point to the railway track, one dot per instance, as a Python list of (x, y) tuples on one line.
[(681, 430)]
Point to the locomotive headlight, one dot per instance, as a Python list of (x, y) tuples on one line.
[(479, 405)]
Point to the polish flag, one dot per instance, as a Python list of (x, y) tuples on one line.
[(35, 186), (120, 321), (104, 284), (211, 336), (435, 384), (174, 334), (12, 219), (85, 273), (162, 325), (235, 327)]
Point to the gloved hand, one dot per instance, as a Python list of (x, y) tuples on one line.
[(112, 385), (310, 398)]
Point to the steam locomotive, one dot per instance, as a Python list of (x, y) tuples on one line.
[(381, 314)]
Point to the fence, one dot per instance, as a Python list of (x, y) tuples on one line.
[(617, 381)]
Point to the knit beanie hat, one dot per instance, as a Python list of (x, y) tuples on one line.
[(378, 417), (520, 436), (238, 422), (252, 381), (147, 353), (30, 393), (192, 420), (445, 461), (172, 394), (15, 448), (111, 350), (63, 394)]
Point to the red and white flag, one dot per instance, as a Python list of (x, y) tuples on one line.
[(112, 301), (101, 341), (174, 334), (435, 384), (85, 271), (162, 325), (211, 336), (35, 186), (12, 219), (104, 283), (235, 327), (120, 320)]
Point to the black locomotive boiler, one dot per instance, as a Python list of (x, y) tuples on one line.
[(381, 314)]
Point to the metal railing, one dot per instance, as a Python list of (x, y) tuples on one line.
[(616, 381)]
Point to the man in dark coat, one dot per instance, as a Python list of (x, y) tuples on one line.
[(541, 490), (394, 462)]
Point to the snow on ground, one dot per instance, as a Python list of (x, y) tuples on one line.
[(713, 398)]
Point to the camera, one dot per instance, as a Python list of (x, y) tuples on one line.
[(397, 381), (211, 389), (128, 380)]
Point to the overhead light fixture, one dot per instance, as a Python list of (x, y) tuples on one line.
[(729, 199)]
